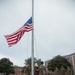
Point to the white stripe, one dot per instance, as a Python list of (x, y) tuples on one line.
[(12, 42), (12, 39)]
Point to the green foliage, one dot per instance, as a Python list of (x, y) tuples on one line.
[(38, 62), (6, 66), (27, 66), (28, 61), (58, 61)]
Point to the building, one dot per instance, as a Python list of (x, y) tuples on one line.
[(18, 71), (70, 58)]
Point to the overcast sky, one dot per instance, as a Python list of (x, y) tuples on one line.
[(54, 28)]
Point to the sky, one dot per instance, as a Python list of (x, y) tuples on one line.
[(54, 29)]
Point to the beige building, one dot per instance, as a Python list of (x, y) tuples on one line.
[(70, 58)]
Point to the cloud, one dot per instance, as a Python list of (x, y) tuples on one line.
[(54, 28)]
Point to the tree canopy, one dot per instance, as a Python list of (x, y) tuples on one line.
[(58, 61), (28, 61), (27, 66), (6, 66)]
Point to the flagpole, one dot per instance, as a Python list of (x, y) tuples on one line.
[(32, 53)]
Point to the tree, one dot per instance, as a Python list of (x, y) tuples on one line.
[(58, 61), (28, 61), (27, 66), (6, 66)]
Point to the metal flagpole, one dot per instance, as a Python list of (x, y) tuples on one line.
[(32, 53)]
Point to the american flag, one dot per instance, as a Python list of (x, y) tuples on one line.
[(15, 37)]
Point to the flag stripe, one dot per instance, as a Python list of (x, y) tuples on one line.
[(16, 36)]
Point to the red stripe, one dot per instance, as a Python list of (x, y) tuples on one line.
[(15, 37)]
